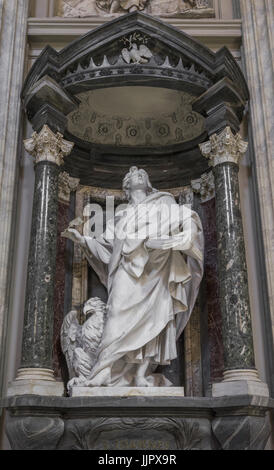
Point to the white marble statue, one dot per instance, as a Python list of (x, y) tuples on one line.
[(150, 258)]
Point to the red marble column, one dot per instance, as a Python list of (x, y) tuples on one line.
[(65, 214), (215, 342), (59, 292)]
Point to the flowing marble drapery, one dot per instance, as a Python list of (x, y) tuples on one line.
[(152, 285)]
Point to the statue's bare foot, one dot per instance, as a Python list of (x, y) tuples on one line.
[(141, 382)]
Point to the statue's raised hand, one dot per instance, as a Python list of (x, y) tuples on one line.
[(74, 235)]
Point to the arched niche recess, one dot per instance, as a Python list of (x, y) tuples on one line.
[(122, 109)]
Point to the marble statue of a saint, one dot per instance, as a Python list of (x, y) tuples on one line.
[(152, 281)]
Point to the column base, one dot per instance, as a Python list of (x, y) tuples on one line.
[(240, 382), (35, 381)]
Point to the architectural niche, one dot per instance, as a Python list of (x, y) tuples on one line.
[(38, 414)]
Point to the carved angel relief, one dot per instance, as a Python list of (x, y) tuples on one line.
[(165, 8)]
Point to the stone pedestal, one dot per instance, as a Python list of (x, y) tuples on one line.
[(224, 152), (36, 374), (127, 392), (138, 423)]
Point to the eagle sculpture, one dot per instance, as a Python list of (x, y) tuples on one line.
[(80, 343), (138, 55)]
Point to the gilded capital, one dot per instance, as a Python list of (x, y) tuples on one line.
[(224, 147), (48, 146)]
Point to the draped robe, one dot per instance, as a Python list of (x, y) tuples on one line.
[(152, 286)]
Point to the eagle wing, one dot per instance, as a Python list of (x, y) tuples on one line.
[(145, 52), (70, 332), (126, 55)]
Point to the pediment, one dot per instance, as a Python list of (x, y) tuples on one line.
[(95, 60), (138, 89)]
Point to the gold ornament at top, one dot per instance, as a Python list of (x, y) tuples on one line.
[(224, 147), (48, 146)]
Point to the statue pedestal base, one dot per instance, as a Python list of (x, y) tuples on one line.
[(127, 391), (137, 423), (240, 387)]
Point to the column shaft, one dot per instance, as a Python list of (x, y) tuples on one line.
[(48, 149), (233, 282), (38, 320)]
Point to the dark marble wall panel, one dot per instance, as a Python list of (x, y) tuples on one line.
[(215, 342), (59, 291)]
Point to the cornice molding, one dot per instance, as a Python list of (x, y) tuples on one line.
[(211, 32)]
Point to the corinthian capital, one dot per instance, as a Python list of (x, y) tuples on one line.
[(224, 147), (48, 146)]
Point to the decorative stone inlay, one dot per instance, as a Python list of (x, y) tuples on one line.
[(48, 146), (225, 147), (67, 184), (212, 339), (204, 186)]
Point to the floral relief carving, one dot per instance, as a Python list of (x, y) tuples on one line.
[(184, 434)]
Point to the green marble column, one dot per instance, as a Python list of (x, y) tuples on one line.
[(38, 319), (224, 152), (48, 150)]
